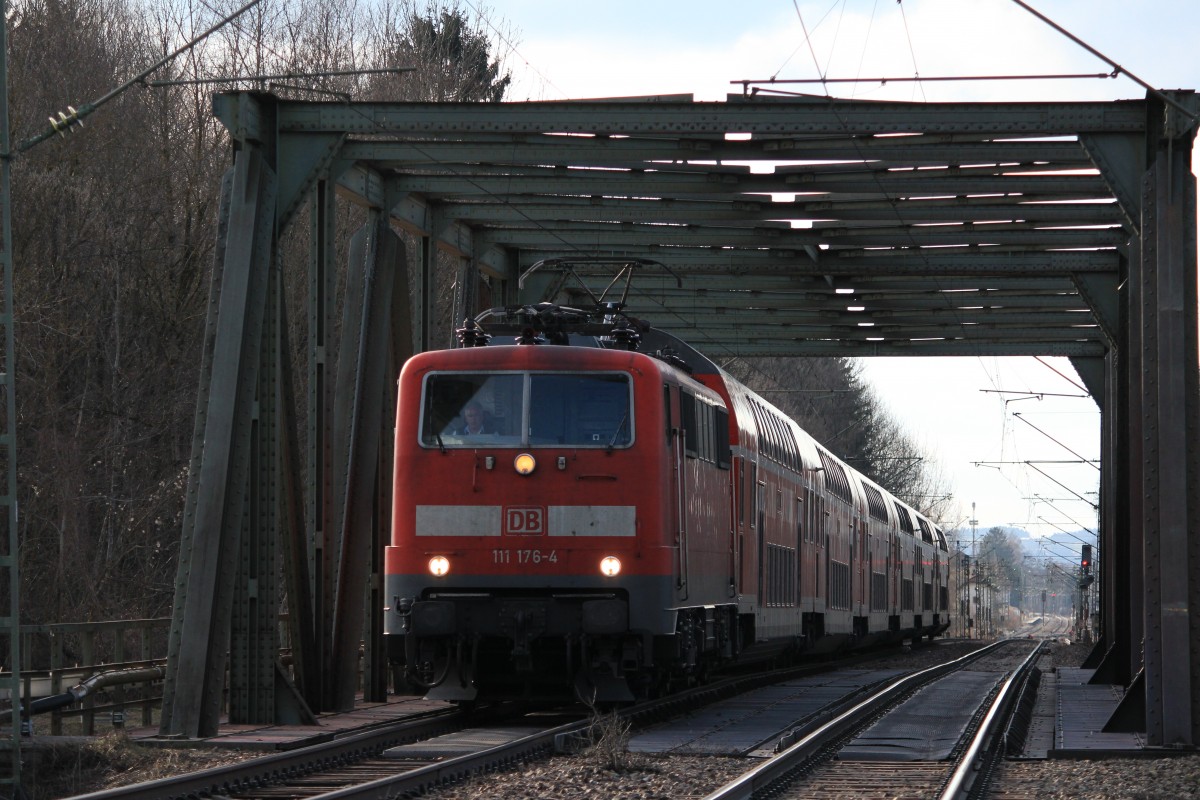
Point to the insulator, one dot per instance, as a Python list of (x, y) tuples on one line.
[(626, 337), (471, 335)]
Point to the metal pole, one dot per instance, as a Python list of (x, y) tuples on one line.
[(10, 560), (975, 618)]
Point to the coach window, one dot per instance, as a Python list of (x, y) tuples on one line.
[(741, 482), (752, 487), (722, 433)]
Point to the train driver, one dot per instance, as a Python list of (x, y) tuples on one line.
[(473, 417)]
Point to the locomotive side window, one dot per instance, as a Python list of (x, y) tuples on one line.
[(521, 409), (667, 410), (687, 414)]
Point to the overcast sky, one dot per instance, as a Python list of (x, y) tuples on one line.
[(616, 48)]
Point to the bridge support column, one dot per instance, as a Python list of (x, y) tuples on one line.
[(376, 335), (1170, 459), (215, 506)]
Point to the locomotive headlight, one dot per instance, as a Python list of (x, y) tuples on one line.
[(524, 464), (439, 566), (610, 566)]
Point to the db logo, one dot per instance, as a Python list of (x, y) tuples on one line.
[(524, 521)]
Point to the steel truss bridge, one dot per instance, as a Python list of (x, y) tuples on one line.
[(756, 226)]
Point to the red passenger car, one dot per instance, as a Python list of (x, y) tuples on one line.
[(584, 516)]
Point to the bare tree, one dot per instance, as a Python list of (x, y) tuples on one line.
[(115, 228), (830, 400)]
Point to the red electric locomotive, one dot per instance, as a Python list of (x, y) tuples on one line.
[(599, 508)]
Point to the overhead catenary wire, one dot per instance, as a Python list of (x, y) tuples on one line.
[(67, 121), (747, 83), (1116, 67), (1017, 415), (892, 202), (281, 76), (1045, 501), (513, 47), (912, 50)]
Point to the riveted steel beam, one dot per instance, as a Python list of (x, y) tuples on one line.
[(911, 303), (794, 346), (950, 329), (675, 182), (732, 315), (534, 209), (876, 263), (1171, 467), (591, 236), (376, 265), (1100, 292), (800, 116), (631, 152), (1119, 157), (217, 480)]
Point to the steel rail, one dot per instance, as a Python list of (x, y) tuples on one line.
[(989, 737), (221, 781), (279, 768), (758, 780)]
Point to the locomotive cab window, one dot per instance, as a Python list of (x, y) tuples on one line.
[(516, 409), (579, 410)]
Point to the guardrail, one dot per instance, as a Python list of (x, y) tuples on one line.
[(58, 656)]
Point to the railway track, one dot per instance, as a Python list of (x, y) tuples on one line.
[(339, 760), (842, 759), (458, 747)]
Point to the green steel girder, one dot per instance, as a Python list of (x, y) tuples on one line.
[(1091, 372), (1100, 292), (874, 303), (673, 182), (799, 116), (734, 284), (1119, 157), (219, 475), (1010, 265), (303, 160), (758, 345), (1044, 320), (598, 235), (928, 328), (873, 172), (634, 151), (537, 209)]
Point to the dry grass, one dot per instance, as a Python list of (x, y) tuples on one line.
[(62, 768), (609, 735)]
